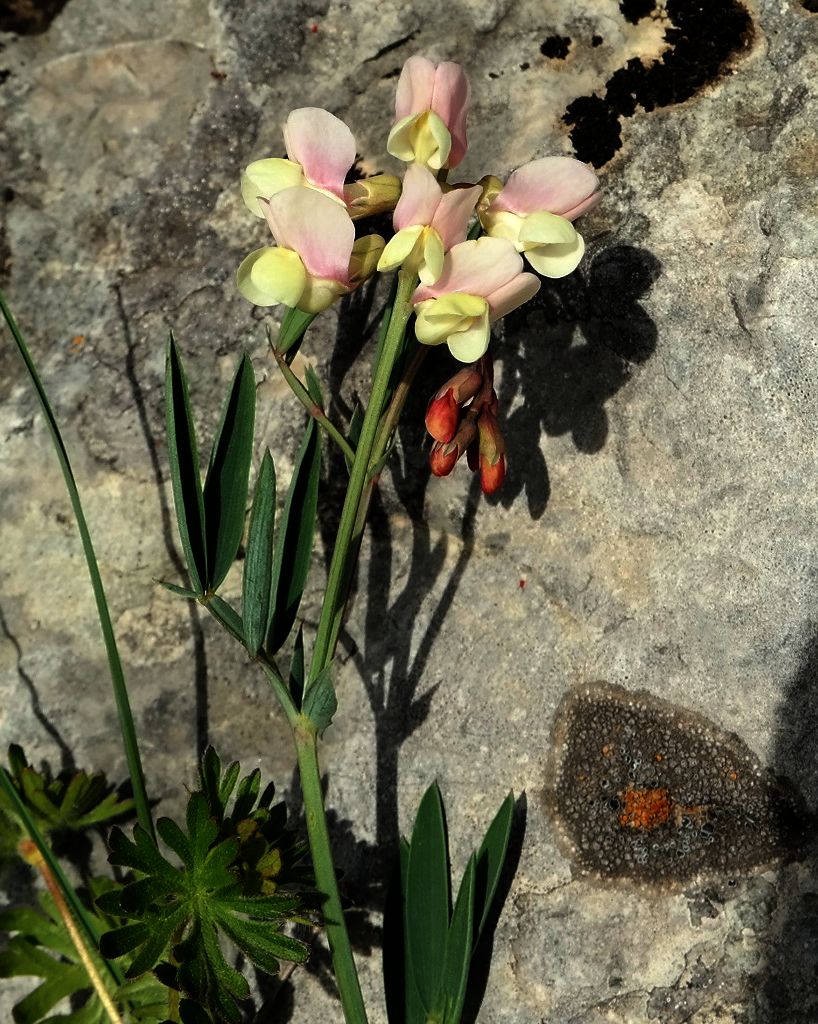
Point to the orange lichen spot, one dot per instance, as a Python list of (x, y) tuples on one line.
[(78, 341), (732, 776), (607, 750), (658, 757), (645, 808)]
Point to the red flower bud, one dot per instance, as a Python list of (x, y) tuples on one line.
[(492, 477), (443, 458), (442, 417)]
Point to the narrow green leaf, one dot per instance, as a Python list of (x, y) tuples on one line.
[(120, 690), (226, 616), (413, 1007), (427, 898), (225, 490), (320, 703), (293, 546), (490, 860), (314, 387), (459, 944), (293, 328), (355, 424), (298, 669), (183, 455), (258, 562), (176, 589)]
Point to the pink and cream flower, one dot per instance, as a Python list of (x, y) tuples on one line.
[(482, 280), (430, 114), (317, 258), (320, 152), (427, 222), (535, 209)]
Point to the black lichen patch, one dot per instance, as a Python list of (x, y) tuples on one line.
[(702, 37), (556, 47), (644, 791), (597, 40), (635, 10), (811, 6)]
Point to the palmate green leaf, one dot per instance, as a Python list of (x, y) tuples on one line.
[(257, 580), (176, 911), (428, 899), (42, 948), (293, 546), (320, 703), (183, 456), (225, 489)]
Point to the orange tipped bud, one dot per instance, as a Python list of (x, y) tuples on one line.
[(464, 385), (492, 477), (443, 458), (442, 417)]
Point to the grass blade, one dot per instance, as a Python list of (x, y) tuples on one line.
[(225, 490), (293, 548), (183, 455), (257, 580), (123, 704), (427, 898)]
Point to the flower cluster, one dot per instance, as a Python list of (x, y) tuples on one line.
[(467, 279)]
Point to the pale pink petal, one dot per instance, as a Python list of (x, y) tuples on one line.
[(477, 267), (419, 198), (314, 226), (513, 294), (558, 184), (583, 207), (415, 87), (322, 144), (450, 101), (451, 220)]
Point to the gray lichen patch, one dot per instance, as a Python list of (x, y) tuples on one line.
[(645, 791)]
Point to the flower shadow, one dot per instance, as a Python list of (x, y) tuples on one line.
[(565, 354)]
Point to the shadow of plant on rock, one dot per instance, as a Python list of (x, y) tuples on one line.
[(565, 354)]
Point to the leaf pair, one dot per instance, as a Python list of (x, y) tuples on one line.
[(211, 520), (438, 941)]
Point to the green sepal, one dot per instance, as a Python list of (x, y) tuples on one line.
[(225, 489), (183, 456), (258, 561), (320, 703), (294, 539)]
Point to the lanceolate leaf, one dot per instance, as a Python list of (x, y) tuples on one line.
[(293, 547), (459, 944), (293, 328), (225, 491), (183, 455), (314, 387), (490, 860), (227, 616), (320, 702), (297, 669), (427, 894), (258, 561)]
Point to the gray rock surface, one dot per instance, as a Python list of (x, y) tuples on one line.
[(658, 526)]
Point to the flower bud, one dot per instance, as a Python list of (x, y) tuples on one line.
[(491, 459), (364, 260), (492, 476), (442, 417), (370, 196), (443, 458)]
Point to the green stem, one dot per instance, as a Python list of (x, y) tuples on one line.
[(345, 550), (123, 705), (342, 960), (313, 408)]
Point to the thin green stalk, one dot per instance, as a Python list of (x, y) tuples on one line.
[(343, 962), (333, 606), (71, 898), (123, 705), (312, 407)]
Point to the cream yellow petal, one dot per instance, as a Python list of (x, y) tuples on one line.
[(272, 275), (469, 345), (557, 260), (422, 138), (431, 266), (267, 177), (319, 294), (503, 225), (544, 228), (437, 318), (399, 247)]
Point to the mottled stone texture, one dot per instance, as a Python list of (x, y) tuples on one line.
[(658, 526)]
